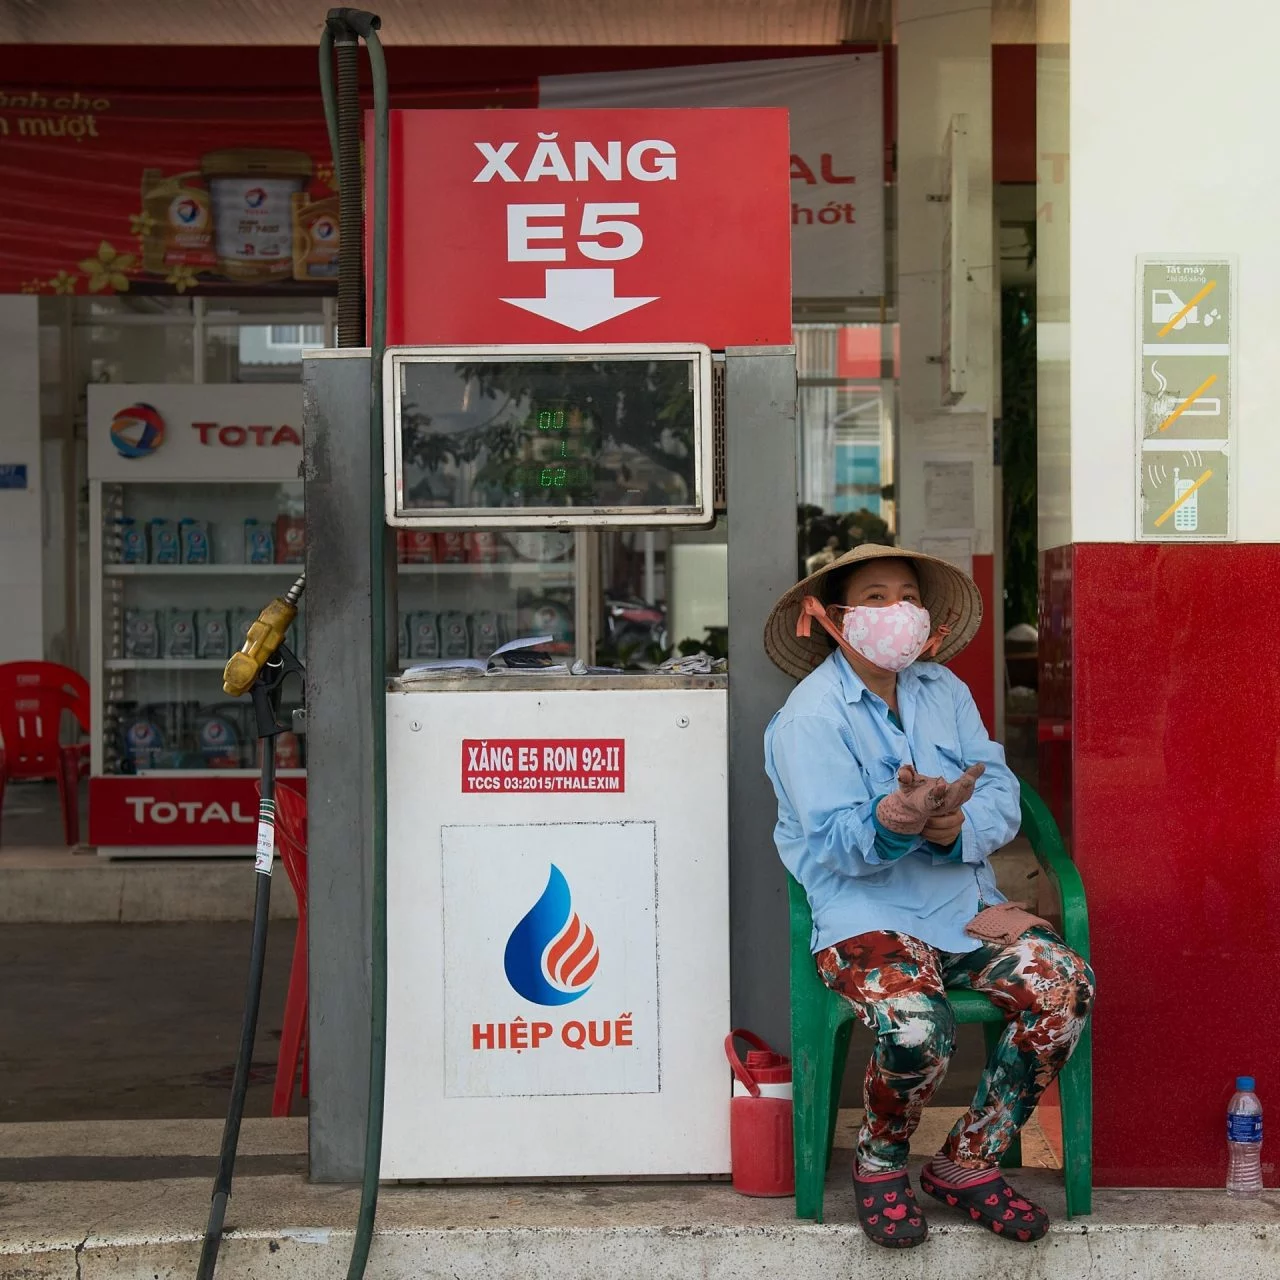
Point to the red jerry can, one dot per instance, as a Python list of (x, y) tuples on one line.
[(760, 1132)]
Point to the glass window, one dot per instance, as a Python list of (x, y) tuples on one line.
[(245, 341), (845, 421), (294, 335), (516, 438), (128, 339)]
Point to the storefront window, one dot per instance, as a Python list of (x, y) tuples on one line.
[(133, 339), (845, 418), (262, 339), (136, 338)]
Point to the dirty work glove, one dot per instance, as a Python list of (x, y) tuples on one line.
[(918, 799)]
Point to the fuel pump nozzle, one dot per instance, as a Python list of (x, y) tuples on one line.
[(264, 637)]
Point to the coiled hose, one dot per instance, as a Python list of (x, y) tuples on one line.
[(343, 28), (346, 162)]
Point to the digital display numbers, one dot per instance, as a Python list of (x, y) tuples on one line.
[(536, 436), (565, 470)]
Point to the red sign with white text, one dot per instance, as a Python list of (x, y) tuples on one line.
[(543, 764), (158, 811), (590, 226)]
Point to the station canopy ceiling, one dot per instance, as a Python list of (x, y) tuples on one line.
[(479, 22)]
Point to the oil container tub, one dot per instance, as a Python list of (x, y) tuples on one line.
[(179, 231), (315, 238), (251, 192)]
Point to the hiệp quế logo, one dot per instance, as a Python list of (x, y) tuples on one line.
[(138, 431), (551, 955)]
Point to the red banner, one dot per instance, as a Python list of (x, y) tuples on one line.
[(162, 192)]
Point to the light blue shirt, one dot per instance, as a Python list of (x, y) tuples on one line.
[(832, 752)]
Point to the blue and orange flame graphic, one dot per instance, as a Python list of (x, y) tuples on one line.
[(552, 955)]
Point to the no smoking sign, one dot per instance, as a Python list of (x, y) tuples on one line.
[(572, 226)]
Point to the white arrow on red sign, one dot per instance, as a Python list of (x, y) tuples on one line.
[(579, 298)]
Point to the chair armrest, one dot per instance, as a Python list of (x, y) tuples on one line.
[(1046, 842)]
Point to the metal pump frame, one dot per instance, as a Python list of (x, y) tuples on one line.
[(760, 486)]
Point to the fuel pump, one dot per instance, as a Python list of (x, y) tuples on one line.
[(537, 943), (519, 907)]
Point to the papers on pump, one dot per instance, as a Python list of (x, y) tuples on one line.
[(515, 658)]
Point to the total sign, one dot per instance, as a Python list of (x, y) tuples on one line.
[(183, 431), (624, 225)]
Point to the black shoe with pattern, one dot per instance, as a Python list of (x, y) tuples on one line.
[(888, 1210), (993, 1203)]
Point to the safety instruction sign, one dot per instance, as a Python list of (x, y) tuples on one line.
[(1184, 411)]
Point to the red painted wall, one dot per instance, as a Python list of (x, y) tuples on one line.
[(1173, 677), (976, 665)]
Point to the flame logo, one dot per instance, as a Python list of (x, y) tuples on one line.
[(552, 955)]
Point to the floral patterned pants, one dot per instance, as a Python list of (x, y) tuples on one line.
[(896, 984)]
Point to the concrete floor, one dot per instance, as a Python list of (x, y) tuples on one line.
[(32, 815), (124, 1022), (101, 1226)]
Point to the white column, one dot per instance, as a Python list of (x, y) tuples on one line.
[(1173, 150), (1053, 275), (947, 487), (21, 517), (944, 73)]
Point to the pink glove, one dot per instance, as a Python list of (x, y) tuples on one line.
[(917, 799)]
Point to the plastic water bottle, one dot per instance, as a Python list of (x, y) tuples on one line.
[(1244, 1140)]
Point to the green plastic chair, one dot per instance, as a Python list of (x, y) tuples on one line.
[(822, 1023)]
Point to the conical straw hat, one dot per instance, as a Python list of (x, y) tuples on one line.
[(949, 595)]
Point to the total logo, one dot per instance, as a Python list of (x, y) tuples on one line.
[(138, 431), (324, 229), (255, 197), (551, 955), (187, 211)]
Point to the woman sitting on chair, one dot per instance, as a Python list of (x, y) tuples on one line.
[(891, 800)]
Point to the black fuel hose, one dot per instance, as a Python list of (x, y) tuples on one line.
[(252, 1000)]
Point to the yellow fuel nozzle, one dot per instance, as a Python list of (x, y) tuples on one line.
[(265, 636)]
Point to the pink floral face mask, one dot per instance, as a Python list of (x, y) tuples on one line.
[(890, 637)]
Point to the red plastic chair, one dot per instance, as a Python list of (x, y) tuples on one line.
[(291, 842), (33, 697)]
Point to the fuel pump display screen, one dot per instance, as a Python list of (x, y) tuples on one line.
[(559, 435)]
